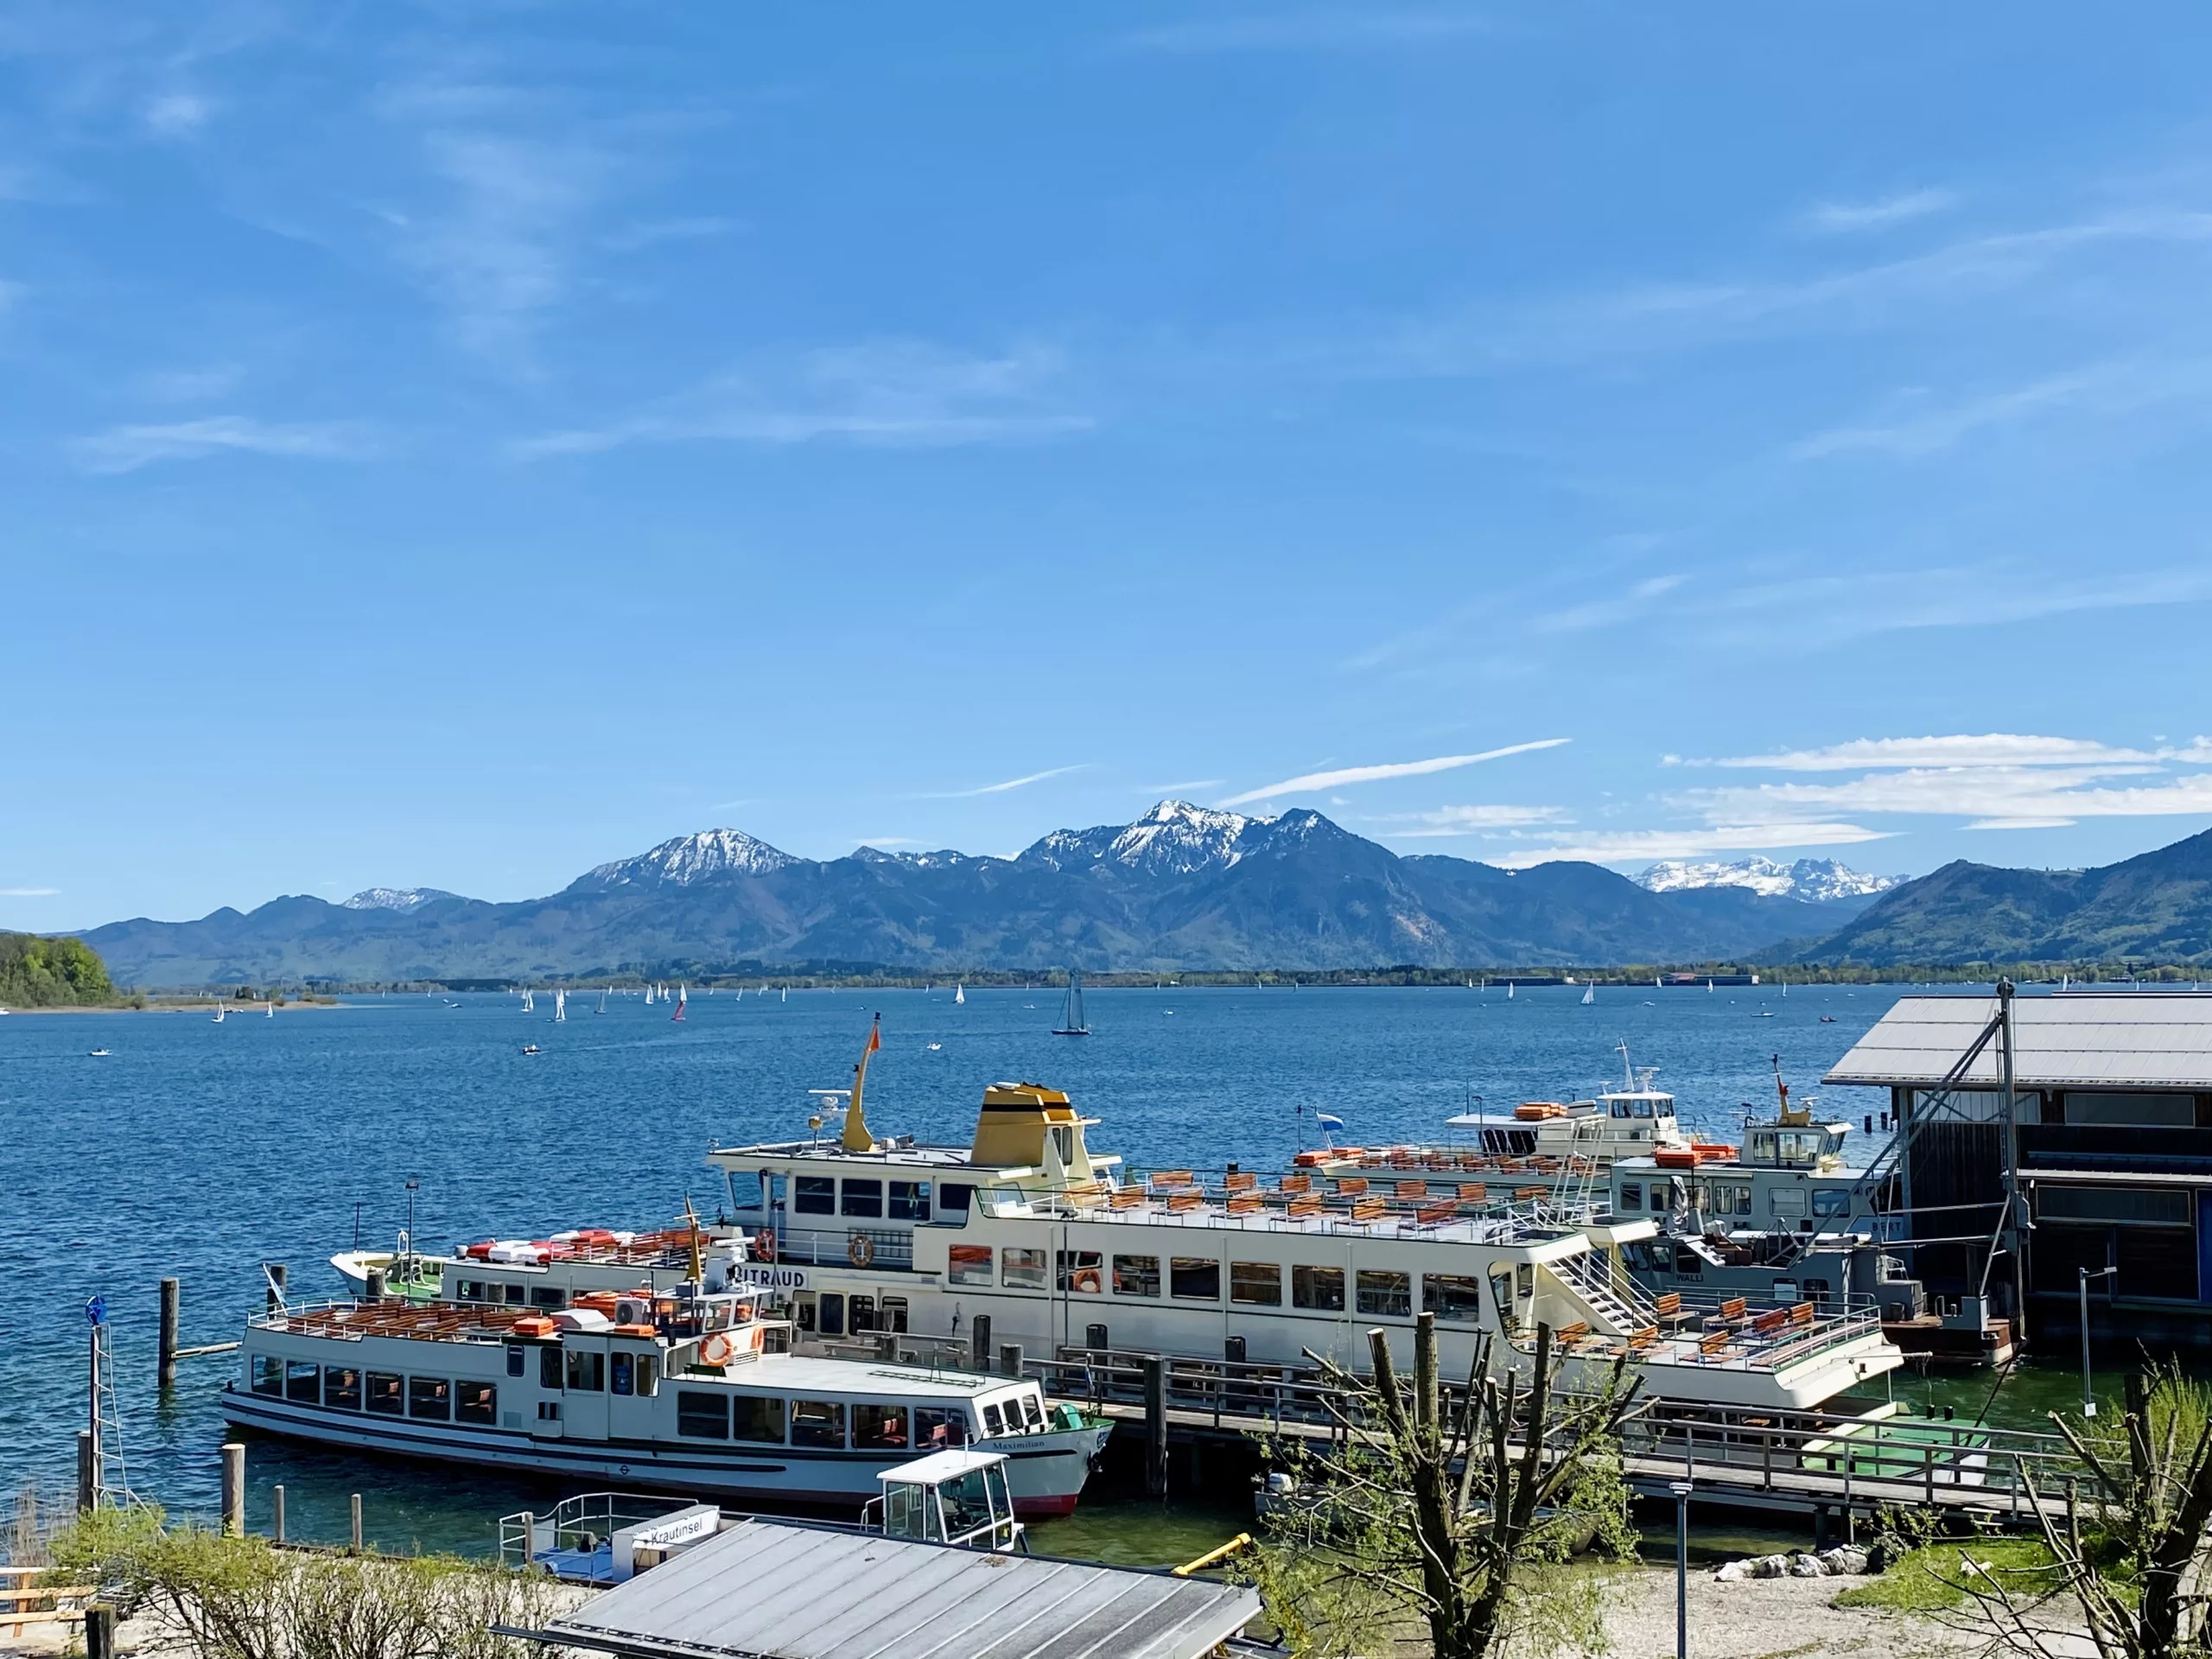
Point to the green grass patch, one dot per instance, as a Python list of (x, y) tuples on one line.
[(1927, 1580)]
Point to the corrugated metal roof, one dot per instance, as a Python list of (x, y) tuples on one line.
[(784, 1589), (2154, 1040)]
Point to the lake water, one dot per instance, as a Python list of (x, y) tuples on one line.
[(202, 1150)]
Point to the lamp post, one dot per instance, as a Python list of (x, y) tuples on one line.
[(1681, 1490), (2088, 1403)]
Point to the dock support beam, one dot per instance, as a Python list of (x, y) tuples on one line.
[(88, 1472), (276, 1512), (1156, 1425), (356, 1507), (99, 1633), (979, 1342), (172, 1301), (233, 1489), (1009, 1359)]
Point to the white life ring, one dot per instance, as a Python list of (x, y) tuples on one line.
[(859, 1249), (717, 1349)]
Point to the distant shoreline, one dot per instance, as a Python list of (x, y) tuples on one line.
[(172, 1004)]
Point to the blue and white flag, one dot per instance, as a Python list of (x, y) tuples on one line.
[(1328, 1120)]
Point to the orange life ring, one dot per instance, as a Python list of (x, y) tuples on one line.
[(1088, 1281), (859, 1249), (764, 1244), (717, 1349)]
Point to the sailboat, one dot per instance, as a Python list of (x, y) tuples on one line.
[(528, 1003), (219, 1012), (602, 1001), (272, 1010), (1708, 988), (1509, 990), (681, 994), (787, 997), (959, 995), (559, 1007), (1589, 993), (1071, 1020)]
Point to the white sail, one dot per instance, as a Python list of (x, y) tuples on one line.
[(1589, 993), (559, 1007), (960, 993), (1509, 990)]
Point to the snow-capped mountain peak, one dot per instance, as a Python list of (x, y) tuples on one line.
[(1173, 838), (402, 899), (687, 858), (1812, 879)]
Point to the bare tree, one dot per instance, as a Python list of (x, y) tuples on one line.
[(1446, 1512), (2133, 1556)]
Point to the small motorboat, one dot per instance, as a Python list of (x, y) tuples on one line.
[(531, 1048), (97, 1054)]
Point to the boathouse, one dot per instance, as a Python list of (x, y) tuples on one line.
[(774, 1589), (2111, 1136)]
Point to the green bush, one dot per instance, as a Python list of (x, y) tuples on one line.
[(42, 973)]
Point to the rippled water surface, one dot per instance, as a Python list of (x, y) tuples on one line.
[(202, 1150)]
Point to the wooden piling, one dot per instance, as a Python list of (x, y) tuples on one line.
[(88, 1472), (276, 1512), (233, 1489), (172, 1302), (99, 1633), (1155, 1426), (980, 1343), (356, 1505), (374, 1291), (1009, 1359)]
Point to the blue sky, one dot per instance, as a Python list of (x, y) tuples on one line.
[(457, 445)]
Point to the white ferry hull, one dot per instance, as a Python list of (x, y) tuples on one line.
[(1045, 1472)]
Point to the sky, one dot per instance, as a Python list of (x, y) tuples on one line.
[(458, 445)]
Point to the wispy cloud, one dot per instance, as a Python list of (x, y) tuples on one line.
[(1317, 30), (893, 393), (126, 448), (192, 385), (1992, 796), (1988, 749), (885, 840), (178, 115), (1629, 847), (1449, 821), (1189, 786), (1912, 429), (29, 893), (1001, 789), (1607, 612), (1308, 782), (632, 238), (1852, 218)]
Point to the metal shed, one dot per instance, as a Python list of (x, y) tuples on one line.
[(768, 1589), (2092, 1039)]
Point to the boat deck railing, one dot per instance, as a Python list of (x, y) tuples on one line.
[(482, 1322)]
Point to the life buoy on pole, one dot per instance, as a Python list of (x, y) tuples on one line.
[(859, 1249), (764, 1244), (717, 1349), (1088, 1281)]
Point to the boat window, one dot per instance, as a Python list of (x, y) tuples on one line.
[(861, 1310), (939, 1429), (818, 1422), (894, 1314), (993, 1423), (1454, 1297), (1631, 1195), (648, 1374), (1786, 1201), (1064, 1143), (804, 1316), (467, 1290), (517, 1356), (1524, 1280), (1385, 1293), (1620, 1108), (1321, 1288), (1022, 1270), (971, 1264), (757, 1418), (814, 1195), (1689, 1264), (549, 1367), (830, 1314), (864, 1198), (1257, 1284), (1079, 1271), (955, 1195), (588, 1373), (475, 1402), (387, 1393), (1194, 1278), (269, 1375), (621, 1375), (1136, 1276), (1831, 1200), (514, 1295), (701, 1416), (910, 1201), (547, 1296), (745, 1193), (1033, 1410), (1643, 1108), (341, 1388), (879, 1429), (1731, 1198), (303, 1382), (431, 1397)]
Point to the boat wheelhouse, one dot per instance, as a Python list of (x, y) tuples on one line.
[(681, 1392)]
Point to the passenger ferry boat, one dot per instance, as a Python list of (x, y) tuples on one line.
[(1063, 1253), (680, 1391)]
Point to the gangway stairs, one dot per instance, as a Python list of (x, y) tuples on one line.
[(1618, 1301)]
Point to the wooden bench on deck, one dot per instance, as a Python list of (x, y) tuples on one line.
[(1364, 1211)]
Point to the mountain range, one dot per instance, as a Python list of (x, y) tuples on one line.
[(1181, 887)]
